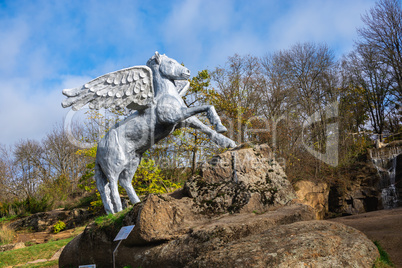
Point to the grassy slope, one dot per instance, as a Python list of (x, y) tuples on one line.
[(24, 255)]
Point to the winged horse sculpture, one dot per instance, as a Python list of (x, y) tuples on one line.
[(150, 90)]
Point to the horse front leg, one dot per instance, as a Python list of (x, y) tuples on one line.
[(170, 111), (215, 137), (212, 116)]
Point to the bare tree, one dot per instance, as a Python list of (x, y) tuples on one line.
[(309, 72), (278, 102), (373, 77), (7, 185), (238, 92), (30, 168), (61, 158), (382, 33), (307, 69)]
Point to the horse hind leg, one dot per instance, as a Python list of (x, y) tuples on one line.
[(107, 185), (114, 193), (125, 180), (103, 187)]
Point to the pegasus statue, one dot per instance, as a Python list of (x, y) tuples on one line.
[(155, 93)]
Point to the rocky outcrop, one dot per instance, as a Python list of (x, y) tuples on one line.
[(398, 177), (357, 192), (314, 195), (44, 221), (158, 219), (240, 180), (174, 247), (286, 237), (238, 213), (12, 246)]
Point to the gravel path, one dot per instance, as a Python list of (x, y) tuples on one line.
[(385, 226)]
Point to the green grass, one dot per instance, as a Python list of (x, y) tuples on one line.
[(383, 261), (39, 265), (8, 218), (115, 220), (24, 255)]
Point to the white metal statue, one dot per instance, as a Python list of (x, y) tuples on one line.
[(150, 90)]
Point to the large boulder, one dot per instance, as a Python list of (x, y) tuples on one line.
[(158, 219), (175, 241), (286, 237), (239, 212), (300, 244)]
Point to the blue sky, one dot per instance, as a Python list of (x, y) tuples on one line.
[(50, 45)]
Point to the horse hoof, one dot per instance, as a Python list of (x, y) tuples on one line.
[(232, 144), (221, 128)]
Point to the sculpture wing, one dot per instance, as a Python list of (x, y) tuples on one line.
[(131, 88)]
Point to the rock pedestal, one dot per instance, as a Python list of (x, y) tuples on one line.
[(238, 213), (242, 180)]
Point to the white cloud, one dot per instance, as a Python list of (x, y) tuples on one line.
[(65, 44), (331, 22), (207, 32), (28, 113)]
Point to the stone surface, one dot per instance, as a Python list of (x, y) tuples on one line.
[(314, 195), (241, 180), (44, 221), (12, 246), (96, 246), (357, 193), (301, 244), (159, 219), (56, 255), (152, 91), (243, 240), (37, 261)]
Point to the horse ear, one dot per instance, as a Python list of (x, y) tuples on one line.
[(157, 57)]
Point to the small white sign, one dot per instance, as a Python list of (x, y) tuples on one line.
[(124, 232)]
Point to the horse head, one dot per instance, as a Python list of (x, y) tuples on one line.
[(167, 67)]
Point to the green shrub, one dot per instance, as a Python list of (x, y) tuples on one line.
[(8, 218), (148, 179), (56, 191), (58, 227), (30, 205)]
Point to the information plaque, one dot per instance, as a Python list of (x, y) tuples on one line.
[(124, 232)]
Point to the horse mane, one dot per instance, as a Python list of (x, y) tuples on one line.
[(152, 60)]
